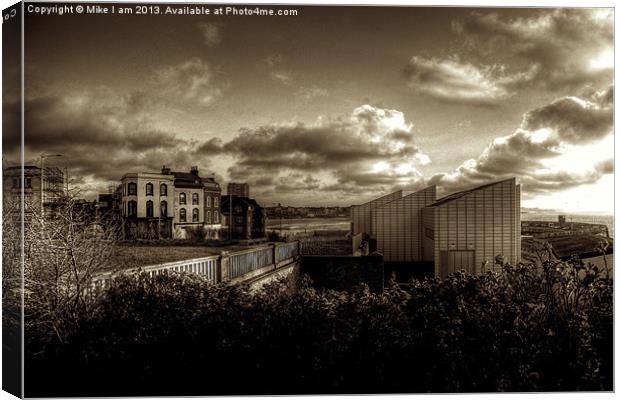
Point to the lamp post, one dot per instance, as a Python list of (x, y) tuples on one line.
[(43, 157)]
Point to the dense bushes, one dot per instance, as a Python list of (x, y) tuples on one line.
[(520, 330)]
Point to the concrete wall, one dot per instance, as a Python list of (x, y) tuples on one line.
[(344, 272), (397, 226)]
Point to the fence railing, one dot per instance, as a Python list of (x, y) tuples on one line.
[(236, 264), (286, 251), (243, 263)]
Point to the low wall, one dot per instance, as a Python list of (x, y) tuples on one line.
[(234, 267), (344, 272)]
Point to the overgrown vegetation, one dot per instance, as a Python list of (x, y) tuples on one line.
[(524, 329)]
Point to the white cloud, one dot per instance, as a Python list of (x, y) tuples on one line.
[(458, 81)]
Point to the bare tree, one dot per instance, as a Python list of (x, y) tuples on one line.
[(65, 245)]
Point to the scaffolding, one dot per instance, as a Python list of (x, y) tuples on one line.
[(53, 184)]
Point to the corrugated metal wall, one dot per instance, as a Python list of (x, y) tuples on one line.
[(361, 216), (397, 226), (486, 221)]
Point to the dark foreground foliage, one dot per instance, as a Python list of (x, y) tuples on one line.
[(519, 330)]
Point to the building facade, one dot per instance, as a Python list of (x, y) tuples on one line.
[(167, 205), (463, 231), (361, 215), (396, 226), (467, 230), (53, 189), (238, 189), (244, 218), (212, 202)]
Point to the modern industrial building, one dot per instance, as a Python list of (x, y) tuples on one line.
[(238, 189), (462, 231), (396, 226), (468, 230), (361, 215)]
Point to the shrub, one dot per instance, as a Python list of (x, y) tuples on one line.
[(522, 329)]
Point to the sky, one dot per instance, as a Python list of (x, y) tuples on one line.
[(334, 106)]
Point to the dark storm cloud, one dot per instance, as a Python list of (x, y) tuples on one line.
[(545, 134), (102, 136), (561, 180), (553, 49), (576, 120), (372, 147), (369, 135), (562, 42)]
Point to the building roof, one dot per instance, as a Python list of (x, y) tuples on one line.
[(458, 195), (210, 182), (386, 198), (187, 180), (239, 200)]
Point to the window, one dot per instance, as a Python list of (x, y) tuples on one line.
[(163, 189), (429, 233), (182, 215), (208, 201), (208, 217), (239, 220), (182, 199), (149, 208), (238, 209), (215, 202), (216, 216), (164, 208), (195, 215), (195, 199), (16, 182), (132, 208), (149, 189), (132, 189), (28, 182)]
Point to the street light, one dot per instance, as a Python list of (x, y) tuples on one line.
[(43, 157)]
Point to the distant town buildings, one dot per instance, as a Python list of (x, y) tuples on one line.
[(169, 204), (465, 230), (287, 212), (238, 189), (565, 240)]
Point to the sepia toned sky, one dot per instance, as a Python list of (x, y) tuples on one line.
[(334, 106)]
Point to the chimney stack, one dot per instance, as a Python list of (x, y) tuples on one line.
[(194, 171), (165, 171)]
